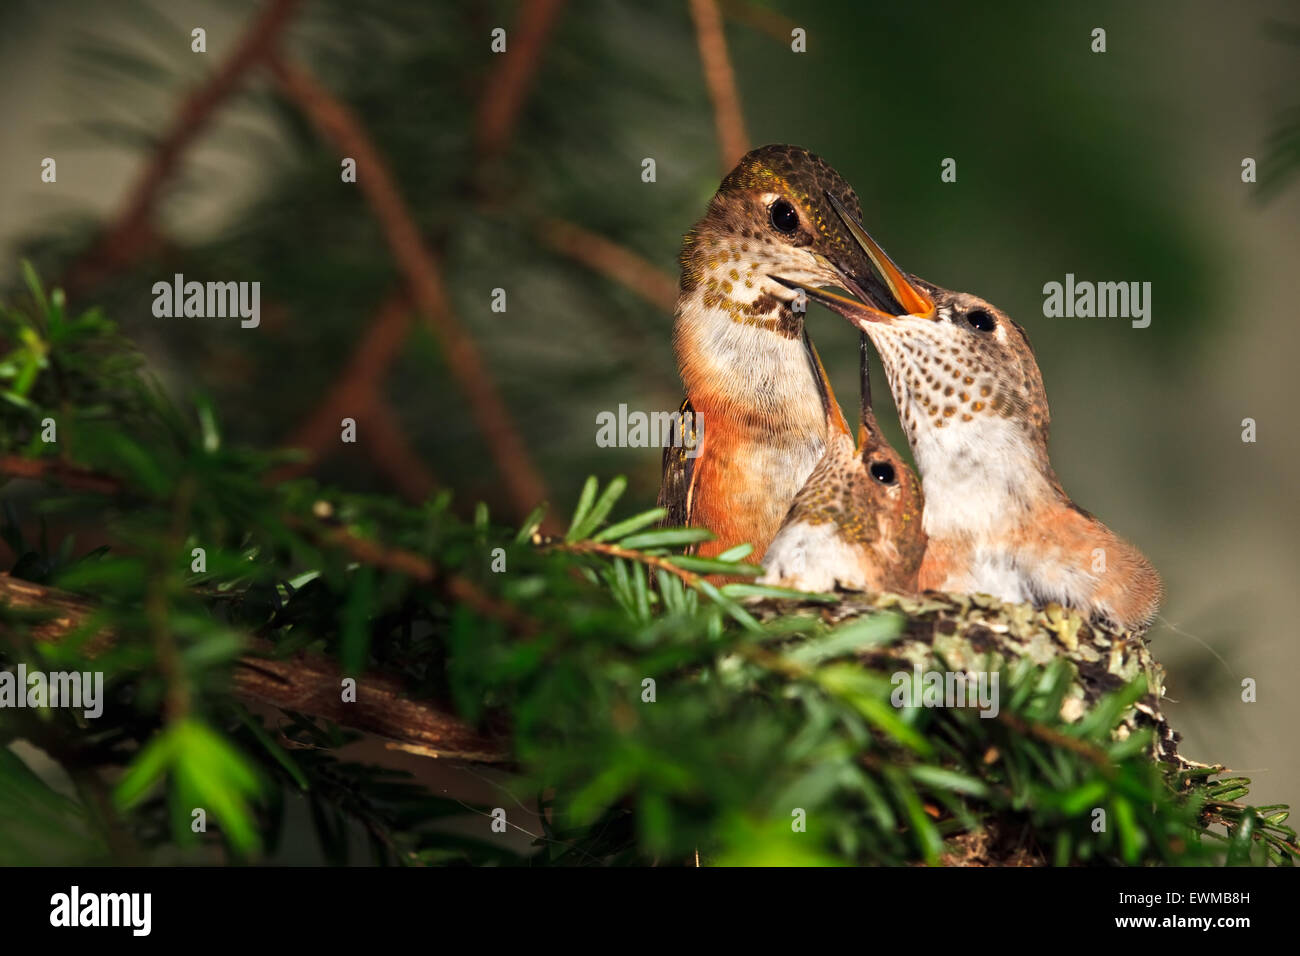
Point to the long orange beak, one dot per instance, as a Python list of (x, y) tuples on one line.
[(912, 300)]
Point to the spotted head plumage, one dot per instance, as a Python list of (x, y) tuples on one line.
[(771, 216), (749, 367), (963, 364)]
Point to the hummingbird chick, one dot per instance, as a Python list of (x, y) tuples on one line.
[(754, 383), (971, 400), (856, 524)]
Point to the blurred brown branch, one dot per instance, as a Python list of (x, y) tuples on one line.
[(392, 451), (506, 89), (355, 393), (419, 568), (339, 125), (776, 25), (52, 469), (612, 260), (377, 555), (131, 233), (62, 611), (354, 390), (733, 141), (304, 682)]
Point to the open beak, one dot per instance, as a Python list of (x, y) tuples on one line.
[(888, 296)]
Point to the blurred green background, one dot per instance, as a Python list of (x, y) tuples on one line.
[(1119, 166)]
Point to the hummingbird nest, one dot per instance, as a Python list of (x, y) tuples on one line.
[(975, 633)]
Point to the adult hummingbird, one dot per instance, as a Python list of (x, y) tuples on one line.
[(856, 523), (971, 400), (755, 387)]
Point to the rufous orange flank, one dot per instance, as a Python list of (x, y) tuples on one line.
[(753, 379)]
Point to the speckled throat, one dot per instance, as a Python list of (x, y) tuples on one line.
[(980, 441), (765, 413)]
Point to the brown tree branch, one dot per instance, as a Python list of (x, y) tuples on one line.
[(419, 568), (131, 232), (313, 685), (611, 260), (689, 578), (304, 682), (507, 88), (393, 453), (354, 393), (408, 563), (339, 125), (53, 469), (776, 25), (733, 141), (62, 612)]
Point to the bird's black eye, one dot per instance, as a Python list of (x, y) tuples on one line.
[(883, 472), (784, 217), (981, 320)]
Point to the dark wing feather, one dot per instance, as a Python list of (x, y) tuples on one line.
[(678, 470)]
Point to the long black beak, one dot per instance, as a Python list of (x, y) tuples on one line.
[(864, 374), (902, 292)]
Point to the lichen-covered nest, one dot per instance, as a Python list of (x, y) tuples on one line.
[(977, 633)]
